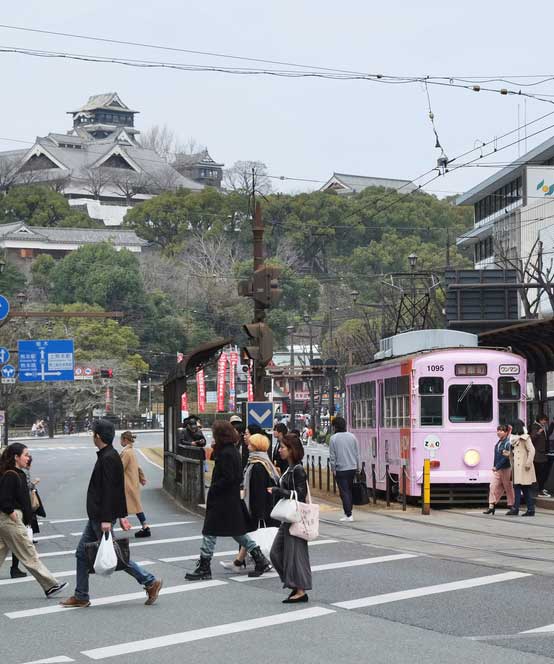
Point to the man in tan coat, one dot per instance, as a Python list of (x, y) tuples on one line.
[(134, 478)]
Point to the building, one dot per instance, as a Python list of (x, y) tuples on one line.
[(98, 164), (513, 209), (21, 243), (345, 184), (199, 167)]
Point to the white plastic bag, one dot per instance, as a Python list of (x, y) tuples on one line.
[(30, 533), (286, 509), (106, 558), (264, 538)]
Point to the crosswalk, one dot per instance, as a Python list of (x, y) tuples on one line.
[(348, 577)]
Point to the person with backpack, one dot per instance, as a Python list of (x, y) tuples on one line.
[(16, 514)]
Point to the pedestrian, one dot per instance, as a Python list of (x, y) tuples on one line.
[(15, 572), (539, 437), (344, 458), (242, 445), (259, 474), (279, 432), (134, 479), (16, 514), (523, 472), (105, 504), (289, 555), (224, 512), (501, 482)]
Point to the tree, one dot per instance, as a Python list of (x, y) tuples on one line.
[(160, 139), (42, 271), (11, 280), (243, 174), (9, 167)]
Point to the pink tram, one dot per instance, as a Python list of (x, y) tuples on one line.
[(434, 394)]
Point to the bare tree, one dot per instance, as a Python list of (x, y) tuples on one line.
[(96, 180), (130, 183), (9, 170), (243, 173), (165, 142), (165, 178)]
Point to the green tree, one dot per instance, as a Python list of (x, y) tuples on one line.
[(11, 280)]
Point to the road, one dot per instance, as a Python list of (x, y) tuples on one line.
[(391, 587)]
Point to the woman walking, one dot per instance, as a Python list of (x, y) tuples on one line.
[(521, 458), (134, 478), (224, 511), (289, 554), (16, 514), (259, 475), (501, 481)]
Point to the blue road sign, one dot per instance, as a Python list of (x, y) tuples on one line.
[(45, 360), (4, 355), (260, 413), (4, 307), (8, 371)]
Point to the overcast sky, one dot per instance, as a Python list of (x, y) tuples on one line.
[(303, 128)]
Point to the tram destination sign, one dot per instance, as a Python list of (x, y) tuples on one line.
[(46, 360)]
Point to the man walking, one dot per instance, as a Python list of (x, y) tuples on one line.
[(105, 504), (344, 458)]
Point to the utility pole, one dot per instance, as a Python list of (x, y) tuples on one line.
[(292, 395), (259, 310)]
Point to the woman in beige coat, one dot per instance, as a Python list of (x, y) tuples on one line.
[(523, 471), (134, 478)]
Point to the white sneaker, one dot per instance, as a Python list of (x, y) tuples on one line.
[(231, 565), (346, 518)]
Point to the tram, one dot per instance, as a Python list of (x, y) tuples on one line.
[(434, 394)]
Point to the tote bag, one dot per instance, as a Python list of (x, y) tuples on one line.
[(307, 528), (286, 509)]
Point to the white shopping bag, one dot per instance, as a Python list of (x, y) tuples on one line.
[(106, 558), (264, 538), (30, 533)]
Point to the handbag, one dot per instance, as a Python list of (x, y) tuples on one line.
[(264, 537), (307, 528), (286, 509), (121, 547), (360, 493), (35, 502)]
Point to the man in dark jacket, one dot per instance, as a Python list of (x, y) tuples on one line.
[(105, 504), (539, 436)]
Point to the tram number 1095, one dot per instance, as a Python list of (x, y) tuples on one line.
[(435, 367)]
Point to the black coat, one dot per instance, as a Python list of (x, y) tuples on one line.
[(224, 511), (14, 494), (261, 502), (106, 489), (294, 480), (276, 458)]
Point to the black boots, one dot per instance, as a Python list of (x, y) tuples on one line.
[(16, 573), (202, 572), (491, 510), (143, 532), (262, 563)]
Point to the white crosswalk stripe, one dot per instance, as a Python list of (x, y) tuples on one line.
[(61, 575), (150, 525)]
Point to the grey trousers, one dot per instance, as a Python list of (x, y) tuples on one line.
[(290, 558)]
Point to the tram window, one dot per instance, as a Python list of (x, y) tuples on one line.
[(508, 411), (431, 391), (396, 402), (470, 403), (362, 405), (508, 389)]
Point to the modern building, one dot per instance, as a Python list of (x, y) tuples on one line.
[(345, 184), (98, 164), (513, 209), (21, 243), (200, 167)]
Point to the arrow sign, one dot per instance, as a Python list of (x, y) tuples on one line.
[(260, 413), (43, 360), (4, 307), (8, 371), (4, 355)]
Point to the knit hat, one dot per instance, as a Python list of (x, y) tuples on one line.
[(235, 418)]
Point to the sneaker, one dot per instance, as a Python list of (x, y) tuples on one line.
[(75, 603), (346, 518), (54, 590), (143, 532), (545, 494), (234, 565), (153, 590)]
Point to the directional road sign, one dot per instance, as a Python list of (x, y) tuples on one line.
[(4, 355), (4, 307), (260, 413), (8, 371), (45, 360)]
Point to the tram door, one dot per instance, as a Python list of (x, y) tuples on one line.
[(379, 446)]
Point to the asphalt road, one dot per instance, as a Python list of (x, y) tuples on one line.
[(375, 598)]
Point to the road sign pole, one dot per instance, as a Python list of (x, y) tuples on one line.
[(50, 413)]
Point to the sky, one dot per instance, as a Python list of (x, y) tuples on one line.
[(304, 128)]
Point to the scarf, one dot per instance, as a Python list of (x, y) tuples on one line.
[(257, 457)]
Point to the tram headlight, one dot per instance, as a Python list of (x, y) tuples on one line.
[(472, 458)]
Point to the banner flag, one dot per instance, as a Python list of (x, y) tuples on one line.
[(249, 383), (201, 390), (221, 381), (233, 362)]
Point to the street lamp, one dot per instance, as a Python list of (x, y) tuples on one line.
[(412, 258), (291, 330), (21, 298), (308, 322), (354, 295)]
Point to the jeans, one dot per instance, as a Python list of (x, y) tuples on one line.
[(92, 533), (207, 547), (527, 493), (345, 480)]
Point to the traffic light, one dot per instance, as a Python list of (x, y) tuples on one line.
[(106, 373), (260, 347), (265, 286)]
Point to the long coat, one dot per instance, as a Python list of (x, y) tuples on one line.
[(132, 479), (224, 511), (522, 455)]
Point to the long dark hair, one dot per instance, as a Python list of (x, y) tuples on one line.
[(295, 446), (7, 460), (518, 427), (224, 433)]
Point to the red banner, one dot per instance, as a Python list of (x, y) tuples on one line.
[(233, 361), (249, 383), (201, 390), (221, 381), (184, 402), (180, 357)]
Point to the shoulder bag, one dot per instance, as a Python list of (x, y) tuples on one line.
[(307, 528), (286, 509)]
